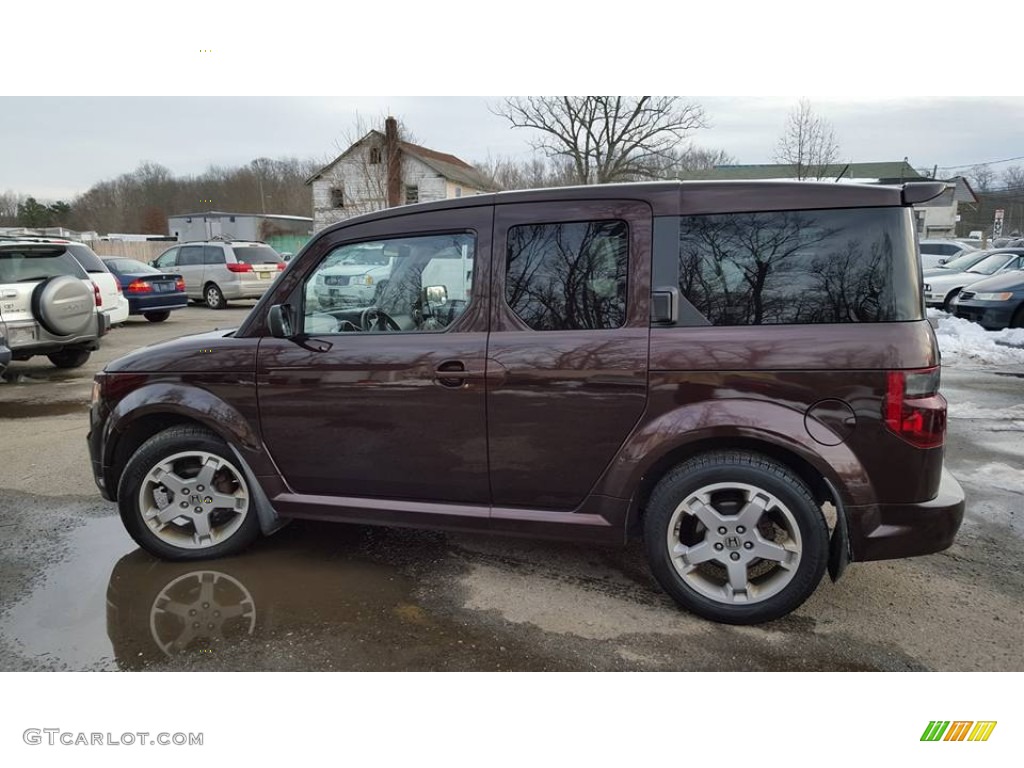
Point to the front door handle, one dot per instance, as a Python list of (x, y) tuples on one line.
[(453, 373)]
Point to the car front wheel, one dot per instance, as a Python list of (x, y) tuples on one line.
[(735, 537), (182, 496)]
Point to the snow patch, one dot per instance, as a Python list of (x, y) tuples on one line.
[(968, 410), (996, 475), (963, 341)]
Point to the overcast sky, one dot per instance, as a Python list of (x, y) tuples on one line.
[(57, 147), (894, 82)]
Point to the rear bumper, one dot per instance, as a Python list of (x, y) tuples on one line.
[(890, 531)]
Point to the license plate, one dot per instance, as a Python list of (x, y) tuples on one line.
[(264, 275)]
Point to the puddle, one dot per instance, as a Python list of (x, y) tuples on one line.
[(310, 597), (26, 409)]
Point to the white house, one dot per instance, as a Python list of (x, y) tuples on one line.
[(382, 171)]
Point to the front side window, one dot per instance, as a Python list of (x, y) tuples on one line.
[(404, 284), (568, 276), (167, 259), (821, 266)]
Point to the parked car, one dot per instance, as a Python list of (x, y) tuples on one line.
[(151, 293), (219, 271), (994, 303), (959, 264), (970, 241), (112, 301), (937, 251), (613, 371), (939, 290), (352, 278), (48, 304)]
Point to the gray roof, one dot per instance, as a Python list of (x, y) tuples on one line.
[(448, 166)]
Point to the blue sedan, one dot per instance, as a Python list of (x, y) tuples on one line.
[(150, 292), (994, 303)]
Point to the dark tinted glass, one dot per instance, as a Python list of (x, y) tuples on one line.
[(190, 256), (213, 254), (568, 276), (130, 266), (38, 264), (87, 258), (828, 266), (256, 254)]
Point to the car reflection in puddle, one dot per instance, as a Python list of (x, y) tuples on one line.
[(162, 612)]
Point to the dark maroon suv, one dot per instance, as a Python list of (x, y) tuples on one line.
[(740, 373)]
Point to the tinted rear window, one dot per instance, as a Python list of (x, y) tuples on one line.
[(799, 267), (131, 266), (253, 254), (87, 258), (38, 264)]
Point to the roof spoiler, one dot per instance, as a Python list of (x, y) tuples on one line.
[(921, 191)]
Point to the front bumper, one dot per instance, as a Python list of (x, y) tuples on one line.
[(991, 315), (890, 531)]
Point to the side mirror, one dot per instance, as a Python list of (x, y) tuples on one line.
[(279, 320), (435, 295), (943, 261)]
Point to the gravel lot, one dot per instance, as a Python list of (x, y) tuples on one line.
[(75, 593)]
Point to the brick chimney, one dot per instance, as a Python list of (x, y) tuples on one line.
[(394, 160)]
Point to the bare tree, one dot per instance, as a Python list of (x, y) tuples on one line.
[(808, 143), (982, 177), (1013, 178), (605, 139)]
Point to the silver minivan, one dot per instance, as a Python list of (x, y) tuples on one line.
[(218, 271)]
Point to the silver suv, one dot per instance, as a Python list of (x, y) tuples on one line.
[(221, 270), (48, 304)]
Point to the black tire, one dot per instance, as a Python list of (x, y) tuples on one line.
[(157, 317), (949, 299), (162, 446), (1017, 321), (752, 474), (214, 296), (70, 358)]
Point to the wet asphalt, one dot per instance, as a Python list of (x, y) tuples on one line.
[(77, 594)]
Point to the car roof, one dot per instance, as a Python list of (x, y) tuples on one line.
[(683, 198)]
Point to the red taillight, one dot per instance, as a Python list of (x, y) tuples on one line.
[(179, 284), (913, 409), (96, 295), (239, 266), (280, 266), (118, 285), (139, 286)]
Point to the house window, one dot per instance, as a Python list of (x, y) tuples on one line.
[(374, 155), (412, 194), (337, 197)]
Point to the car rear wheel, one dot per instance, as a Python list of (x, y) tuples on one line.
[(214, 297), (1018, 318), (157, 317), (735, 537), (69, 358), (183, 497)]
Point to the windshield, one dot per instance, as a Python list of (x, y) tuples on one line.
[(965, 261), (990, 264), (368, 257)]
